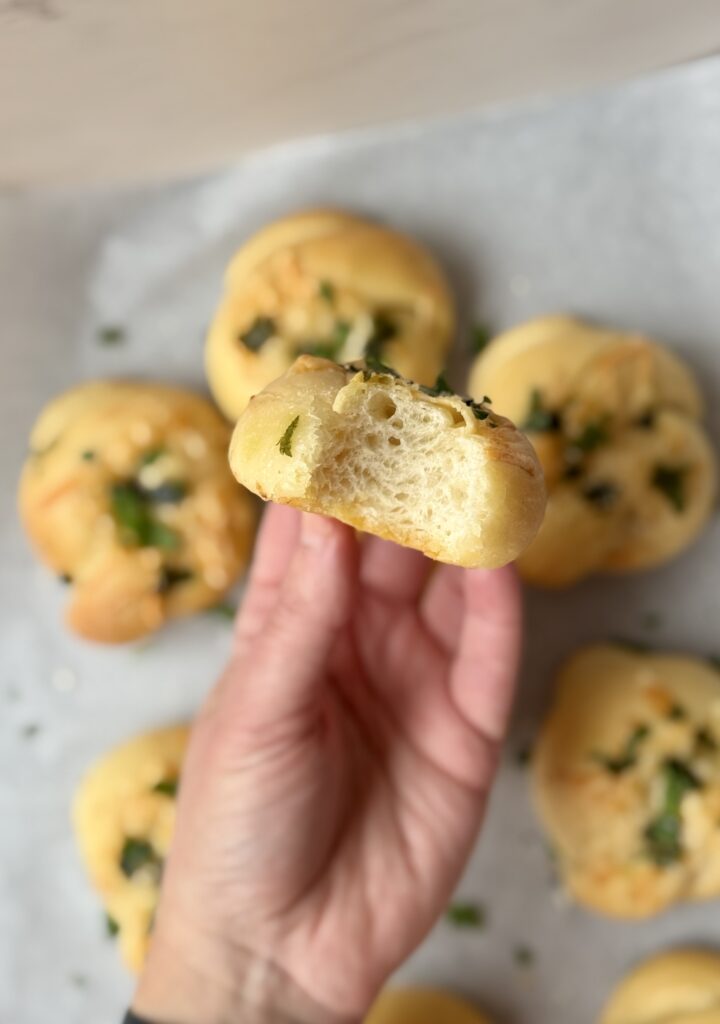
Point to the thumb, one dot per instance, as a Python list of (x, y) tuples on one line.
[(285, 670)]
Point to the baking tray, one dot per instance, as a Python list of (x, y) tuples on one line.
[(606, 205)]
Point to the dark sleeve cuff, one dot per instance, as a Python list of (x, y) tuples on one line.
[(132, 1018)]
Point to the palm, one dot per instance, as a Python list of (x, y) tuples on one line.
[(364, 791)]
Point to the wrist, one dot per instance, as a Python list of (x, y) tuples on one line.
[(220, 985)]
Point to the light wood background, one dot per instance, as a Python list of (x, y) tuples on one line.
[(117, 89)]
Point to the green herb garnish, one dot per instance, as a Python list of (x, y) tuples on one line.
[(133, 514), (663, 835), (677, 713), (603, 494), (170, 577), (383, 331), (285, 442), (169, 493), (331, 348), (88, 455), (627, 758), (224, 609), (646, 421), (258, 333), (671, 481), (111, 926), (523, 756), (523, 956), (440, 387), (152, 455), (466, 915), (65, 578), (168, 787), (112, 334), (539, 418), (480, 337), (326, 291), (137, 854), (592, 436)]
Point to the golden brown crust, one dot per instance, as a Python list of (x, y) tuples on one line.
[(422, 1006), (325, 282), (614, 419), (108, 452), (460, 484), (626, 776), (126, 798), (678, 987)]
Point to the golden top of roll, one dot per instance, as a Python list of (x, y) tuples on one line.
[(418, 466), (126, 494), (678, 987), (614, 418), (626, 776), (422, 1006), (329, 284), (124, 817)]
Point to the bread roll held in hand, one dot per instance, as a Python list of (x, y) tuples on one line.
[(124, 818), (677, 987), (627, 779), (330, 284), (127, 496), (614, 419), (421, 467)]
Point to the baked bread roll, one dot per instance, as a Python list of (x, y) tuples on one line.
[(127, 496), (329, 284), (423, 468), (422, 1006), (626, 777), (614, 418), (124, 817), (680, 987)]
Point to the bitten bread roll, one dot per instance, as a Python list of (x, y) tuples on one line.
[(422, 1006), (614, 418), (127, 496), (679, 987), (329, 284), (423, 468), (626, 777), (124, 818)]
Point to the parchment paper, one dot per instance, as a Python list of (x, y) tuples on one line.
[(606, 205)]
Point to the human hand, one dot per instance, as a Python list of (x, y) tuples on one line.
[(336, 778)]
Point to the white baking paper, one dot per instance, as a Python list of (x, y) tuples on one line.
[(607, 205)]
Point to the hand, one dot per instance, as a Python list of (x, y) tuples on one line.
[(336, 778)]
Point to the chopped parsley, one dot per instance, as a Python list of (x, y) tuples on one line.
[(169, 493), (602, 495), (440, 387), (170, 577), (262, 328), (663, 835), (326, 291), (523, 956), (466, 915), (331, 348), (112, 334), (151, 456), (480, 337), (670, 480), (133, 514), (138, 854), (88, 455), (225, 610), (383, 331), (111, 926), (65, 578), (540, 418), (168, 787), (677, 713), (592, 436), (646, 421), (285, 442), (627, 758)]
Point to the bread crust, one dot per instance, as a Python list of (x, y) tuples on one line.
[(631, 475), (107, 452), (678, 987), (624, 725), (422, 1006), (323, 281), (118, 800), (377, 452)]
